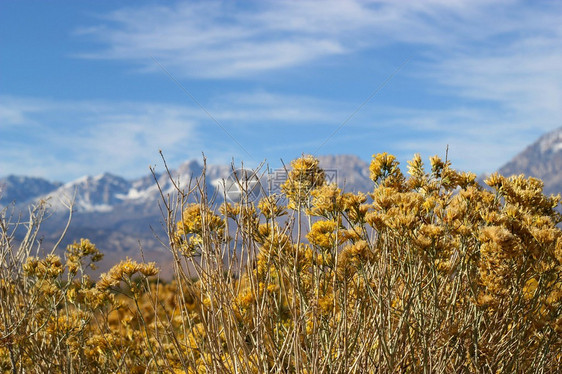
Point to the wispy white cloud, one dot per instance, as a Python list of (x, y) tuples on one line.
[(498, 64), (223, 39), (212, 39), (504, 53), (473, 144), (289, 109), (66, 139), (479, 140), (63, 140)]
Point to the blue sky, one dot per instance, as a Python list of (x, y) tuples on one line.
[(90, 87)]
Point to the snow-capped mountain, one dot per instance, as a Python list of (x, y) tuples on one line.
[(106, 192), (91, 194), (120, 216), (542, 159)]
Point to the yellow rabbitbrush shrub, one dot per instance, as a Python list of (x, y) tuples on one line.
[(429, 272)]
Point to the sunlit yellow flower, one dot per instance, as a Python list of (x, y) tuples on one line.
[(304, 176), (124, 271), (327, 201), (385, 171), (323, 234), (270, 208)]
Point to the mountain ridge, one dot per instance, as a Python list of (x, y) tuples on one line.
[(542, 159), (123, 215), (101, 192)]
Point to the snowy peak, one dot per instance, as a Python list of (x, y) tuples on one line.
[(105, 192), (99, 193), (191, 167), (551, 142)]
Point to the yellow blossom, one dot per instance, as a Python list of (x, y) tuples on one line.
[(323, 234), (304, 176)]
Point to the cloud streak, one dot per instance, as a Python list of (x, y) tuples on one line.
[(62, 140), (505, 53), (221, 39), (65, 139)]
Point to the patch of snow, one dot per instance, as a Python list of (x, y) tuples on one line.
[(80, 180), (138, 194), (132, 194), (218, 182), (89, 207), (551, 142), (557, 147)]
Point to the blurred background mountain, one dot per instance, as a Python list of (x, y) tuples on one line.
[(124, 216)]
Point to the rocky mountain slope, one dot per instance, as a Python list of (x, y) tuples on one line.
[(542, 159), (21, 188)]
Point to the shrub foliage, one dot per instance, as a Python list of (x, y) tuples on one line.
[(429, 272)]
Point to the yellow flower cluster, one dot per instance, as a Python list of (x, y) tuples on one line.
[(78, 251), (270, 208), (324, 234), (385, 171), (196, 219), (124, 271), (49, 267), (327, 201), (304, 176), (197, 223)]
